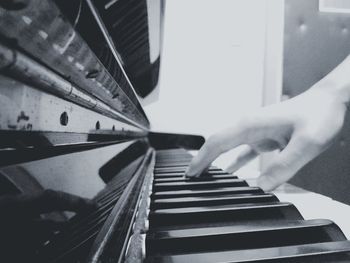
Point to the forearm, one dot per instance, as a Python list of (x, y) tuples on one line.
[(337, 82)]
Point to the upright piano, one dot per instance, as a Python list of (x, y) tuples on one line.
[(84, 178)]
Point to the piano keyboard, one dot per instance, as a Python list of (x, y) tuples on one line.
[(220, 218)]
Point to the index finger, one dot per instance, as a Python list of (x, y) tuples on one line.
[(220, 143)]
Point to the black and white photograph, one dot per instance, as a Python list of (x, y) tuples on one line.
[(174, 131)]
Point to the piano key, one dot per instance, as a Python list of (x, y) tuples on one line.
[(173, 158), (225, 213), (169, 171), (210, 192), (198, 185), (168, 165), (183, 179), (196, 179), (182, 175), (329, 251), (214, 172), (211, 171), (211, 201), (169, 175), (244, 236), (180, 201)]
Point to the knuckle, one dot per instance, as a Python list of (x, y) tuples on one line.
[(315, 142), (213, 142), (283, 164)]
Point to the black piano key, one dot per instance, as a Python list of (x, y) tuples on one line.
[(244, 236), (178, 176), (332, 251), (169, 175), (168, 165), (169, 171), (173, 158), (217, 219), (198, 185), (172, 163), (183, 170), (236, 213), (227, 191), (211, 201), (182, 175), (196, 179), (180, 179)]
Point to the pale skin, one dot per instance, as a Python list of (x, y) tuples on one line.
[(301, 128)]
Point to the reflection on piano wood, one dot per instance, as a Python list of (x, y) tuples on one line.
[(72, 127)]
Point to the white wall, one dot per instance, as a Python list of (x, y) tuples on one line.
[(212, 68)]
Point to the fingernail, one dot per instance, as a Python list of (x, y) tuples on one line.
[(189, 173)]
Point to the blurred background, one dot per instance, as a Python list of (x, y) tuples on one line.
[(212, 68), (223, 59)]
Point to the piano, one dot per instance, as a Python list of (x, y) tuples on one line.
[(72, 128)]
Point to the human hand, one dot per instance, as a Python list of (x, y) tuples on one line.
[(301, 128)]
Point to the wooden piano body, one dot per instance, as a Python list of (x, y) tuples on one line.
[(71, 74)]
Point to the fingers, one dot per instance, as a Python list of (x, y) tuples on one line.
[(222, 142), (206, 155), (245, 156), (298, 152)]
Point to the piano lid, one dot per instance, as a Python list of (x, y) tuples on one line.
[(109, 51), (134, 28)]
